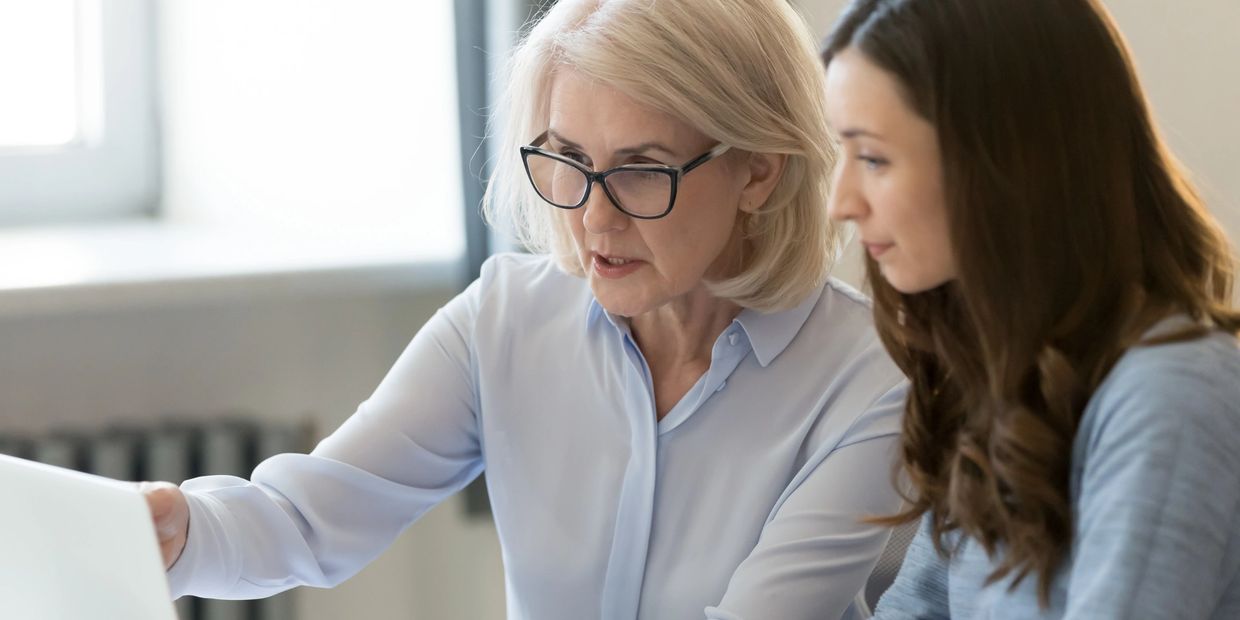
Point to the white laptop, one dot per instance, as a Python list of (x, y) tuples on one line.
[(75, 546)]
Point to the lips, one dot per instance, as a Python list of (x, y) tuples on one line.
[(614, 267), (876, 249)]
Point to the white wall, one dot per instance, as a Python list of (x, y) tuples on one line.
[(1187, 55)]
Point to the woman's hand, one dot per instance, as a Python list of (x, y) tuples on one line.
[(170, 514)]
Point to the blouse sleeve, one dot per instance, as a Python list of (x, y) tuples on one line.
[(317, 519), (815, 552)]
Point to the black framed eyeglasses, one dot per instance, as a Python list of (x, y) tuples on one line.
[(643, 191)]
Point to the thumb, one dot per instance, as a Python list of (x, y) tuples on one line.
[(159, 500)]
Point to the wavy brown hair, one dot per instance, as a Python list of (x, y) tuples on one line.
[(1074, 231)]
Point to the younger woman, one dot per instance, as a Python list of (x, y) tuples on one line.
[(1060, 299)]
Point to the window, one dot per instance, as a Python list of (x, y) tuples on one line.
[(333, 123), (77, 122), (38, 62)]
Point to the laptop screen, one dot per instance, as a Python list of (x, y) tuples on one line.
[(73, 545)]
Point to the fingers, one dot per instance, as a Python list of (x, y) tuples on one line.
[(165, 502), (170, 516), (157, 496)]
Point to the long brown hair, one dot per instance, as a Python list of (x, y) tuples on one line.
[(1074, 230)]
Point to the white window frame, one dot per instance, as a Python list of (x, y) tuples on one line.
[(112, 169)]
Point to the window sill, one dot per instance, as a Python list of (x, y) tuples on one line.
[(145, 263)]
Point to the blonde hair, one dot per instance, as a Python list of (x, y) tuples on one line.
[(744, 72)]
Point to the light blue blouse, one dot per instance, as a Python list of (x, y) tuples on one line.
[(1155, 491), (743, 502)]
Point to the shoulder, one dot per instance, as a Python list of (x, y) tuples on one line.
[(847, 303), (505, 267), (839, 349), (848, 295), (1163, 392), (520, 280), (520, 294), (840, 329)]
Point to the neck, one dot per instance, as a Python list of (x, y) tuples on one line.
[(684, 330)]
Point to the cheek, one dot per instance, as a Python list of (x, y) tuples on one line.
[(932, 207), (923, 224), (699, 230), (570, 225), (943, 240), (891, 204), (667, 241), (570, 221), (902, 205)]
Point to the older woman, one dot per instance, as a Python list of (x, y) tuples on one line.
[(678, 414)]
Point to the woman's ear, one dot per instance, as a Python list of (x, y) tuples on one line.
[(765, 171)]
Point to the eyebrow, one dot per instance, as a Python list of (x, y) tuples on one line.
[(859, 133), (631, 150)]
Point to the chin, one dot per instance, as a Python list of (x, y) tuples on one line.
[(912, 284), (616, 300), (920, 288), (624, 308), (907, 288)]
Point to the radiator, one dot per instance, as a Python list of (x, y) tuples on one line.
[(174, 452)]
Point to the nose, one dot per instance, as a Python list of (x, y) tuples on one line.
[(600, 215), (847, 202)]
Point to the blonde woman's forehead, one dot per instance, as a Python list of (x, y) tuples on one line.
[(590, 113)]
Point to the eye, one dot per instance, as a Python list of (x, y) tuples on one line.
[(574, 155), (872, 163), (645, 175)]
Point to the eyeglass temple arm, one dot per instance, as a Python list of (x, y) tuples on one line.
[(542, 138), (705, 157)]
